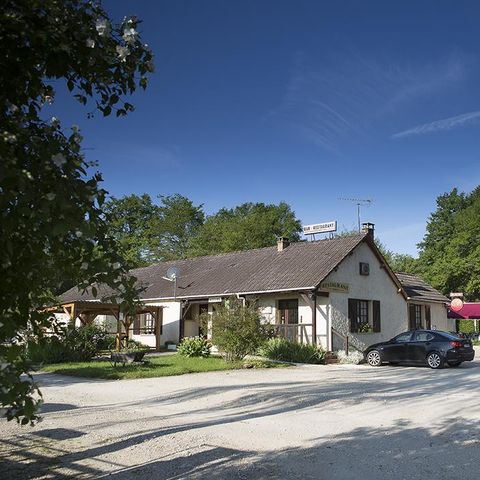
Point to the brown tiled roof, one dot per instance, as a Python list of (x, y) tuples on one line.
[(302, 265), (417, 289)]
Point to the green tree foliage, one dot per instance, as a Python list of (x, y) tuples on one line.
[(398, 262), (130, 220), (250, 225), (178, 223), (149, 233), (52, 225), (450, 251)]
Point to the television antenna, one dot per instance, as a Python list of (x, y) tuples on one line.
[(172, 275), (360, 202)]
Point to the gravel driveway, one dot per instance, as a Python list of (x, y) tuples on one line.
[(311, 422)]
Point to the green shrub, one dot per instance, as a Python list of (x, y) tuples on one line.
[(236, 329), (135, 345), (194, 347), (466, 326), (287, 351), (107, 342), (68, 345)]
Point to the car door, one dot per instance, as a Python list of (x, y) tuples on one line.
[(396, 349), (418, 347)]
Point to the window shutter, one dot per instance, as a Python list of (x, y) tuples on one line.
[(352, 311), (411, 317), (376, 316), (136, 325), (428, 318)]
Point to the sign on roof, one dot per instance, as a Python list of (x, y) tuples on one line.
[(320, 228)]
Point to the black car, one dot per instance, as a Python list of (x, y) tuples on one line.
[(431, 347)]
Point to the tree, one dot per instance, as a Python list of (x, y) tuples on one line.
[(398, 262), (250, 225), (50, 205), (149, 233), (178, 224), (130, 220), (450, 251)]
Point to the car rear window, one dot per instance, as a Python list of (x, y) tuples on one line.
[(449, 336)]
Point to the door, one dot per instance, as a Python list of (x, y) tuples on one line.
[(418, 347), (428, 317), (287, 314), (202, 311), (396, 349), (158, 327)]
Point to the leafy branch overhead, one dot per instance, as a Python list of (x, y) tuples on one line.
[(51, 206)]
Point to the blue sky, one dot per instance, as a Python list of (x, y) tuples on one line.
[(301, 101)]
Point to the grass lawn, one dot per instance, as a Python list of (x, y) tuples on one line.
[(162, 366)]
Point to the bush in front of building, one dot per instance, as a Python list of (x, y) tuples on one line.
[(194, 347), (353, 357), (67, 345), (466, 326), (236, 328), (288, 351)]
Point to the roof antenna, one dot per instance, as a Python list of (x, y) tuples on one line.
[(360, 202)]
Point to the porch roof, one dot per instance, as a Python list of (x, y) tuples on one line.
[(418, 290)]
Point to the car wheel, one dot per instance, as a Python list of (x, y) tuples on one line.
[(435, 360), (454, 364), (373, 358)]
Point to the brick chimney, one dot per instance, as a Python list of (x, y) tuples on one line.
[(282, 243), (369, 229)]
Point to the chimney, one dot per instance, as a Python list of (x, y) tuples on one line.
[(369, 229), (282, 243)]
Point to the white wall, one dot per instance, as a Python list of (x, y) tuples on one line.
[(171, 325), (267, 305), (376, 286)]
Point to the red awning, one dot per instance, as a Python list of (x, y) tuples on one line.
[(469, 311)]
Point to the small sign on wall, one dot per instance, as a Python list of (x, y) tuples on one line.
[(335, 287)]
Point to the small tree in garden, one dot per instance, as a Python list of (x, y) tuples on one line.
[(236, 328)]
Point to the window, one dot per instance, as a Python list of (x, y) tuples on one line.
[(144, 324), (287, 312), (364, 315), (415, 317), (423, 337), (403, 337)]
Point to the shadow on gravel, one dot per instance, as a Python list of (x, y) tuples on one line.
[(364, 453), (449, 449)]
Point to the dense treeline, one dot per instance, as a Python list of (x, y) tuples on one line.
[(449, 254), (176, 228)]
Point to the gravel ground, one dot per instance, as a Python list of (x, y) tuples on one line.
[(310, 422)]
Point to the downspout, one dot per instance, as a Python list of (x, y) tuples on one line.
[(314, 317), (241, 298)]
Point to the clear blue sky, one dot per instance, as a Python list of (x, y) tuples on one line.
[(301, 101)]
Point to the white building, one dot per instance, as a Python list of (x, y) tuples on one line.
[(317, 292)]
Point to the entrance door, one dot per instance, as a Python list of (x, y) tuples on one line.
[(202, 310), (158, 327), (428, 318), (287, 314)]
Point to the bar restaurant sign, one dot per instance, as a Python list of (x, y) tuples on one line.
[(334, 287), (320, 228)]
